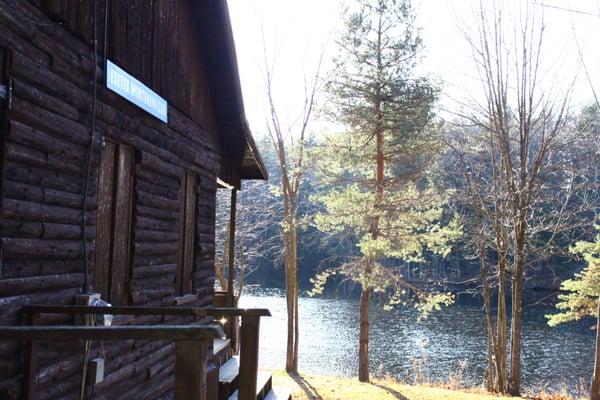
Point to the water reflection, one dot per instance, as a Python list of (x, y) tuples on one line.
[(329, 342)]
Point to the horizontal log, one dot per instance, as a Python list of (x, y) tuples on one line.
[(204, 238), (58, 390), (149, 176), (64, 366), (36, 194), (153, 282), (163, 203), (153, 248), (203, 273), (206, 248), (156, 190), (157, 213), (144, 144), (66, 39), (143, 296), (52, 103), (67, 152), (153, 270), (15, 286), (64, 249), (11, 307), (50, 122), (154, 224), (43, 230), (190, 129), (161, 167), (52, 83), (144, 235), (26, 210), (143, 389), (205, 265), (47, 179), (11, 40), (25, 268), (180, 145), (38, 158), (139, 261)]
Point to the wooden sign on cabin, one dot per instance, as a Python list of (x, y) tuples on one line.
[(135, 91)]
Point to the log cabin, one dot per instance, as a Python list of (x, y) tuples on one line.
[(119, 119)]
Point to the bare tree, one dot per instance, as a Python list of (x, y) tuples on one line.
[(289, 141), (522, 168), (255, 215)]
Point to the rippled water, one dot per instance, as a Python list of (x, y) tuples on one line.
[(552, 357)]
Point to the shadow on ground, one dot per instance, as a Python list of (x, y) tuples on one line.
[(392, 392), (308, 389)]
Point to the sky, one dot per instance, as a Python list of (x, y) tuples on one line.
[(292, 34)]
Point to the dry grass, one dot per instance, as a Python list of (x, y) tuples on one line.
[(334, 388)]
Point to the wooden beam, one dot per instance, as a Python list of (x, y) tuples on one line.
[(191, 369), (248, 358), (216, 312), (231, 265), (145, 332)]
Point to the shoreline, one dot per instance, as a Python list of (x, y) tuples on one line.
[(325, 387)]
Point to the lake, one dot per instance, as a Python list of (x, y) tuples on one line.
[(449, 341)]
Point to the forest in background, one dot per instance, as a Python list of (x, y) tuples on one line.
[(259, 242)]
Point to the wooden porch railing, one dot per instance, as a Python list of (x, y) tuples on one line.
[(191, 346), (249, 340)]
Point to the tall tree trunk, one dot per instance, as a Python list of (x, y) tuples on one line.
[(363, 350), (501, 327), (289, 296), (514, 384), (294, 287), (595, 389), (491, 340), (291, 289)]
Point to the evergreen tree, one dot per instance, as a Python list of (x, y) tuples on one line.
[(376, 166), (583, 300)]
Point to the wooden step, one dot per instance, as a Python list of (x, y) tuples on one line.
[(228, 374), (219, 345), (221, 351), (230, 370), (279, 393), (264, 384)]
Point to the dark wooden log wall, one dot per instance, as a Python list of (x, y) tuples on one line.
[(45, 149)]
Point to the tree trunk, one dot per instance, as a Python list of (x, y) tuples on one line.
[(501, 328), (595, 389), (363, 350), (291, 290), (294, 287), (491, 340), (289, 296), (514, 384)]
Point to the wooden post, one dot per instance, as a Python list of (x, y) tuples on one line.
[(248, 358), (30, 361), (230, 271), (191, 369)]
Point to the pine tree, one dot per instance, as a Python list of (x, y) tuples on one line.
[(583, 300), (375, 168)]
